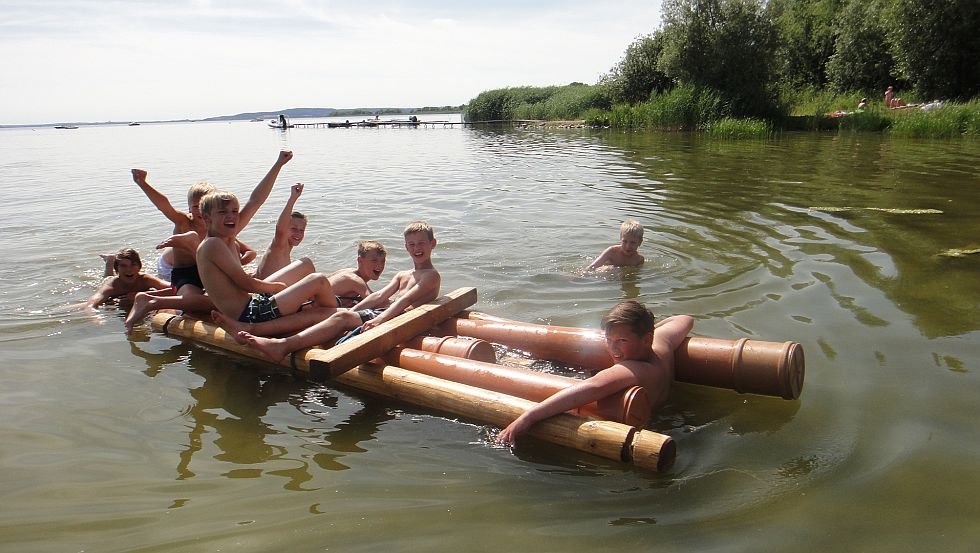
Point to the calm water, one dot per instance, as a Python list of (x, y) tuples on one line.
[(115, 443)]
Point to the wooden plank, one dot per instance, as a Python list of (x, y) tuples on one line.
[(376, 342)]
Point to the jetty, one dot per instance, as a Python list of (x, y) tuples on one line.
[(406, 123)]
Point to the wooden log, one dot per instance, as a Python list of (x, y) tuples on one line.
[(643, 448), (318, 364), (746, 366), (631, 406)]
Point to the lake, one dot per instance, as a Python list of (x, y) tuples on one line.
[(853, 245)]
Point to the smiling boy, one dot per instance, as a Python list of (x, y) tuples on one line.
[(128, 280), (642, 353), (234, 292), (625, 253)]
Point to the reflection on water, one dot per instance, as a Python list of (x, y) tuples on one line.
[(839, 242)]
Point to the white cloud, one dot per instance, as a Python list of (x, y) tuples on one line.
[(144, 60)]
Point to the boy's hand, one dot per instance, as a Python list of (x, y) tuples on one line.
[(139, 176), (284, 157), (296, 190)]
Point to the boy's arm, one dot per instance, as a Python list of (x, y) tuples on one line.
[(424, 290), (670, 333), (602, 259), (151, 282), (261, 192), (188, 241), (159, 200), (374, 299), (604, 383), (246, 253), (215, 253), (104, 293)]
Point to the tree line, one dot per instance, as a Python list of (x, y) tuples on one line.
[(758, 58)]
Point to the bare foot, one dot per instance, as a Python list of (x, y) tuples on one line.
[(141, 306), (232, 327), (274, 349)]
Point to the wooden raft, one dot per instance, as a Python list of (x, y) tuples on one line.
[(355, 363)]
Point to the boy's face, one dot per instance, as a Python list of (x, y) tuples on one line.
[(371, 264), (297, 231), (418, 245), (624, 345), (222, 220), (127, 270), (194, 206), (630, 244)]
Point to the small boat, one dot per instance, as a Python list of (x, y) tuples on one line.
[(134, 124), (444, 357), (345, 125), (66, 126), (280, 126)]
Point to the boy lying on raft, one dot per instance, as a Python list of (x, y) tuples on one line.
[(408, 289), (642, 353)]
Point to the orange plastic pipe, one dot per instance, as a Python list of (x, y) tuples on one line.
[(631, 406), (746, 366)]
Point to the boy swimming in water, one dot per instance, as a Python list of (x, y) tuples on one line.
[(127, 282), (642, 353), (408, 289), (625, 253)]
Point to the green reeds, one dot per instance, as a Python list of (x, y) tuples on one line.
[(948, 121), (731, 127)]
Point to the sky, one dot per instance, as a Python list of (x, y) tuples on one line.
[(148, 60)]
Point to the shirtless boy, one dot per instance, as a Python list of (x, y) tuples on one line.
[(128, 280), (234, 292), (290, 231), (351, 284), (625, 253), (408, 289), (187, 285), (642, 356)]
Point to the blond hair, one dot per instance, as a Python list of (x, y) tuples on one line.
[(365, 247), (198, 190), (631, 229), (420, 226), (215, 199)]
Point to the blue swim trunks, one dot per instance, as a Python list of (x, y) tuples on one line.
[(262, 307)]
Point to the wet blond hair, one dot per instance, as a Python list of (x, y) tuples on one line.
[(420, 226), (365, 247), (631, 313), (632, 229)]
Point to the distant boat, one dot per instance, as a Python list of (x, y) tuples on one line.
[(66, 126), (259, 119), (279, 126), (134, 124)]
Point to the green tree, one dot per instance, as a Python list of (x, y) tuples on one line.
[(724, 45), (936, 45), (636, 75), (861, 59), (807, 31)]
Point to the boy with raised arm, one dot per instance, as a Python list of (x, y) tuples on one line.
[(186, 280), (625, 253), (642, 353), (408, 289), (127, 282), (290, 231), (234, 292)]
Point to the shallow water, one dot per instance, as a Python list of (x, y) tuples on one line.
[(839, 242)]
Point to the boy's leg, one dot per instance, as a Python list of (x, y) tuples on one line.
[(287, 324), (314, 286), (292, 273), (275, 349), (144, 302)]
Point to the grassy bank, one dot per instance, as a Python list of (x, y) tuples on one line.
[(690, 109)]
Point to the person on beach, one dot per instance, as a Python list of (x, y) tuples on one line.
[(642, 353), (290, 231), (408, 289), (188, 287), (863, 104), (625, 253), (126, 280), (234, 292), (891, 101)]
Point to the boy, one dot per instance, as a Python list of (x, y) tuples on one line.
[(290, 231), (410, 289), (625, 253), (128, 280), (188, 289), (230, 287), (641, 357)]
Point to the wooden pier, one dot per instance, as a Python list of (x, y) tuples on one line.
[(399, 123)]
